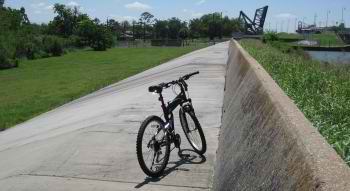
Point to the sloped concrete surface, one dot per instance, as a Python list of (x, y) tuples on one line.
[(89, 144), (266, 143)]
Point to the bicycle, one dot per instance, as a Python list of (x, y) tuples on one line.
[(155, 136)]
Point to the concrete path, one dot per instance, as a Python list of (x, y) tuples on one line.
[(90, 144)]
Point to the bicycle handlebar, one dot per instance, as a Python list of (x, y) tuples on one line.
[(158, 88), (186, 77)]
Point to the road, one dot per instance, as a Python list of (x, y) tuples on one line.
[(90, 143)]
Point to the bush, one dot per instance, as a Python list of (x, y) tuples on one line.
[(270, 37), (102, 39), (52, 45), (74, 42), (6, 61), (28, 47)]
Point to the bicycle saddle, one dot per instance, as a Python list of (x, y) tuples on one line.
[(156, 89)]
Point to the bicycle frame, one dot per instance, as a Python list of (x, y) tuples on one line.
[(178, 100)]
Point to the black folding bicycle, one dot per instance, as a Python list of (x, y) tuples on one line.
[(155, 136)]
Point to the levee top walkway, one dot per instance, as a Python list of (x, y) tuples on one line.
[(89, 144)]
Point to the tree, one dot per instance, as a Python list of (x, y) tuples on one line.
[(24, 16), (102, 38), (161, 29), (12, 19), (96, 35), (213, 25), (125, 26), (183, 33), (66, 21), (146, 17), (195, 28), (175, 26), (2, 2)]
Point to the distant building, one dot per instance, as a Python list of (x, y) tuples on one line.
[(308, 29)]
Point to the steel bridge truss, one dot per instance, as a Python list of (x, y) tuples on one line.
[(255, 27)]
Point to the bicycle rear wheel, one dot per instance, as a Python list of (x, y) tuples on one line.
[(152, 146), (193, 130)]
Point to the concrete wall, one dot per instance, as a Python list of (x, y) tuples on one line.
[(265, 142)]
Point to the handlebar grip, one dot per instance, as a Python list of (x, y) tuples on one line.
[(189, 75), (194, 73)]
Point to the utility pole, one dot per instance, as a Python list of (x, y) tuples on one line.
[(342, 15), (282, 26), (288, 25), (295, 24), (315, 19), (214, 27), (133, 29), (276, 27), (144, 31), (328, 12), (222, 27)]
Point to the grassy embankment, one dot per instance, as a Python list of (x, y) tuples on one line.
[(40, 85), (321, 91), (325, 39)]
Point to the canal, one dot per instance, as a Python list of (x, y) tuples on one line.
[(336, 57)]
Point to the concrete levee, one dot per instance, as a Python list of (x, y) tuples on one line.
[(265, 142)]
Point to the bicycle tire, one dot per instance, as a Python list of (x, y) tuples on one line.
[(184, 123), (139, 147)]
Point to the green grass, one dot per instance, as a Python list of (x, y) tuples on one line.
[(321, 91), (40, 85), (325, 39), (293, 36)]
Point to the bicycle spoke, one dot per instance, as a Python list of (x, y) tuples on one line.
[(193, 133)]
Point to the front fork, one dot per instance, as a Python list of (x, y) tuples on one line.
[(186, 108)]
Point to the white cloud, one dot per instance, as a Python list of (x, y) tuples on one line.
[(285, 16), (49, 7), (41, 7), (123, 18), (193, 14), (38, 5), (137, 6), (73, 4), (200, 2)]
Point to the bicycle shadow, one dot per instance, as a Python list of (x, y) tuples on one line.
[(192, 158)]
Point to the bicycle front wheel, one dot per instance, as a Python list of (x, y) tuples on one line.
[(153, 146), (193, 130)]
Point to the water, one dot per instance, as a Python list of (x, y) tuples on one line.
[(331, 56)]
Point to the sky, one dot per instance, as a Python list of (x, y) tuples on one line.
[(282, 14)]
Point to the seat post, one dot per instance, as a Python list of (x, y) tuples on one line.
[(161, 99)]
